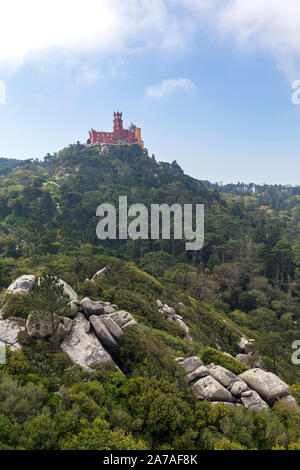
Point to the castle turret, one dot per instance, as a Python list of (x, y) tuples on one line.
[(118, 126)]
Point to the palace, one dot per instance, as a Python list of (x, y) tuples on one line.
[(118, 136)]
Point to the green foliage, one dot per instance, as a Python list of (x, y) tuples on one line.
[(217, 357), (99, 436), (159, 405), (48, 300), (157, 263), (147, 353), (16, 305), (20, 403), (245, 281)]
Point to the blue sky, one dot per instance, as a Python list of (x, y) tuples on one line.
[(209, 81)]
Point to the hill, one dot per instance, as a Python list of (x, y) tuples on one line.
[(8, 164), (244, 283)]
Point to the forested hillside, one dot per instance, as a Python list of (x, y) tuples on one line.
[(245, 282), (8, 164)]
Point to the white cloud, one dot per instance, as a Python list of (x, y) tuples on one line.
[(31, 29), (272, 25), (269, 25), (35, 30), (166, 87)]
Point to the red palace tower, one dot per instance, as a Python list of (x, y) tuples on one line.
[(118, 136)]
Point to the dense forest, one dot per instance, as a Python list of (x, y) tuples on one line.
[(244, 282)]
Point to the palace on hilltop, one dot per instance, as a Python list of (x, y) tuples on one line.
[(118, 136)]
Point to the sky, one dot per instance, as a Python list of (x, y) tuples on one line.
[(210, 82)]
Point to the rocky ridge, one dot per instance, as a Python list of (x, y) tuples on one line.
[(90, 333), (255, 388)]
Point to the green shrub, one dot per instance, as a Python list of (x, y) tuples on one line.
[(148, 354), (217, 327), (16, 305), (213, 355)]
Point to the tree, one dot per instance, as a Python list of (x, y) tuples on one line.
[(48, 300), (270, 345), (3, 270)]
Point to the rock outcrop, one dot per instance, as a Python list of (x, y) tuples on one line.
[(84, 348), (254, 389), (266, 384), (123, 319), (72, 309), (251, 359), (171, 315), (244, 343), (222, 375), (91, 307), (251, 399), (210, 389), (191, 363), (238, 387), (69, 291), (97, 307), (9, 331), (39, 327), (99, 274), (23, 283), (42, 328), (200, 372), (90, 332), (105, 336)]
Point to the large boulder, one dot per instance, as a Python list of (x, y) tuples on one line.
[(244, 359), (252, 400), (191, 363), (109, 309), (266, 384), (99, 274), (181, 323), (23, 283), (113, 328), (252, 360), (62, 330), (123, 319), (238, 387), (210, 389), (91, 307), (168, 310), (9, 331), (222, 375), (72, 309), (69, 291), (105, 336), (243, 344), (84, 348), (200, 372), (39, 327)]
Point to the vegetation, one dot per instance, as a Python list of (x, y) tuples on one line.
[(244, 282), (217, 357)]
